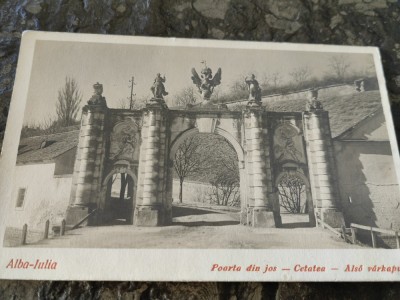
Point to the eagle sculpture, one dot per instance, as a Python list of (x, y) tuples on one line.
[(206, 82)]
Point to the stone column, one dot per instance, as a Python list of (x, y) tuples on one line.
[(262, 215), (243, 194), (149, 210), (87, 175), (322, 167)]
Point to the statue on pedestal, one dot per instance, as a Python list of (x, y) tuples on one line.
[(97, 98), (206, 82), (254, 90), (313, 103), (158, 88)]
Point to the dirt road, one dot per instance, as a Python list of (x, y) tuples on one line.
[(198, 228)]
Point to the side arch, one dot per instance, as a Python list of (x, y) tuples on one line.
[(117, 171), (107, 210), (309, 197)]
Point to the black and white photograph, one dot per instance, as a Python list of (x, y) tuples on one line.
[(153, 143)]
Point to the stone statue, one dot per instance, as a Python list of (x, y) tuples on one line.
[(158, 88), (254, 89), (206, 82), (97, 98), (313, 103), (359, 83)]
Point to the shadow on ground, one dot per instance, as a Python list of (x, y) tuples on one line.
[(180, 211), (296, 225), (191, 217)]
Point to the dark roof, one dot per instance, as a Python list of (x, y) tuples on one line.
[(344, 111), (31, 149)]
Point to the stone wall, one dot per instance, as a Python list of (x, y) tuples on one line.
[(323, 93), (368, 183), (46, 196)]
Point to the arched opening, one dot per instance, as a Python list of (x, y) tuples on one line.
[(119, 197), (294, 200), (206, 185)]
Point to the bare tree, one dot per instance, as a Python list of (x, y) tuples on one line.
[(69, 99), (291, 190), (265, 81), (222, 171), (276, 79), (139, 103), (123, 103), (271, 81), (185, 97), (300, 75), (339, 66), (239, 84), (225, 187), (188, 161)]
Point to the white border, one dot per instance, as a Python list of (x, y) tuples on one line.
[(178, 264)]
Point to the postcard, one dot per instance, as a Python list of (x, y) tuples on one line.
[(166, 159)]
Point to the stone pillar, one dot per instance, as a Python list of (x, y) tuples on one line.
[(243, 194), (322, 167), (149, 208), (86, 183), (262, 215), (168, 191)]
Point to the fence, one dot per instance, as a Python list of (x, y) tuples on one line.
[(349, 235), (374, 231), (18, 237)]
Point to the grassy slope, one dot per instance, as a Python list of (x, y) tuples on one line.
[(344, 111)]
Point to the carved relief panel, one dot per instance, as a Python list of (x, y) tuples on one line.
[(125, 140), (288, 144)]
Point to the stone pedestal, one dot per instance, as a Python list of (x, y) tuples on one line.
[(263, 218), (332, 217), (278, 220), (75, 214), (148, 216)]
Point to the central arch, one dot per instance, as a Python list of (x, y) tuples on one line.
[(190, 132), (241, 163)]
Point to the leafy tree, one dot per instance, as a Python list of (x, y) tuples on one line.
[(68, 104)]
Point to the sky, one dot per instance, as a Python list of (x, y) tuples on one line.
[(113, 65)]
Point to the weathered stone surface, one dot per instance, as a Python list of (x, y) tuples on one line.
[(347, 22)]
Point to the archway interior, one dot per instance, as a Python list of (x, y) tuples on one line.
[(119, 198), (293, 195), (206, 181)]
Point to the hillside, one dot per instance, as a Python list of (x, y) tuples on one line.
[(344, 110)]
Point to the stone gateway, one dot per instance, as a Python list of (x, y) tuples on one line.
[(137, 147)]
